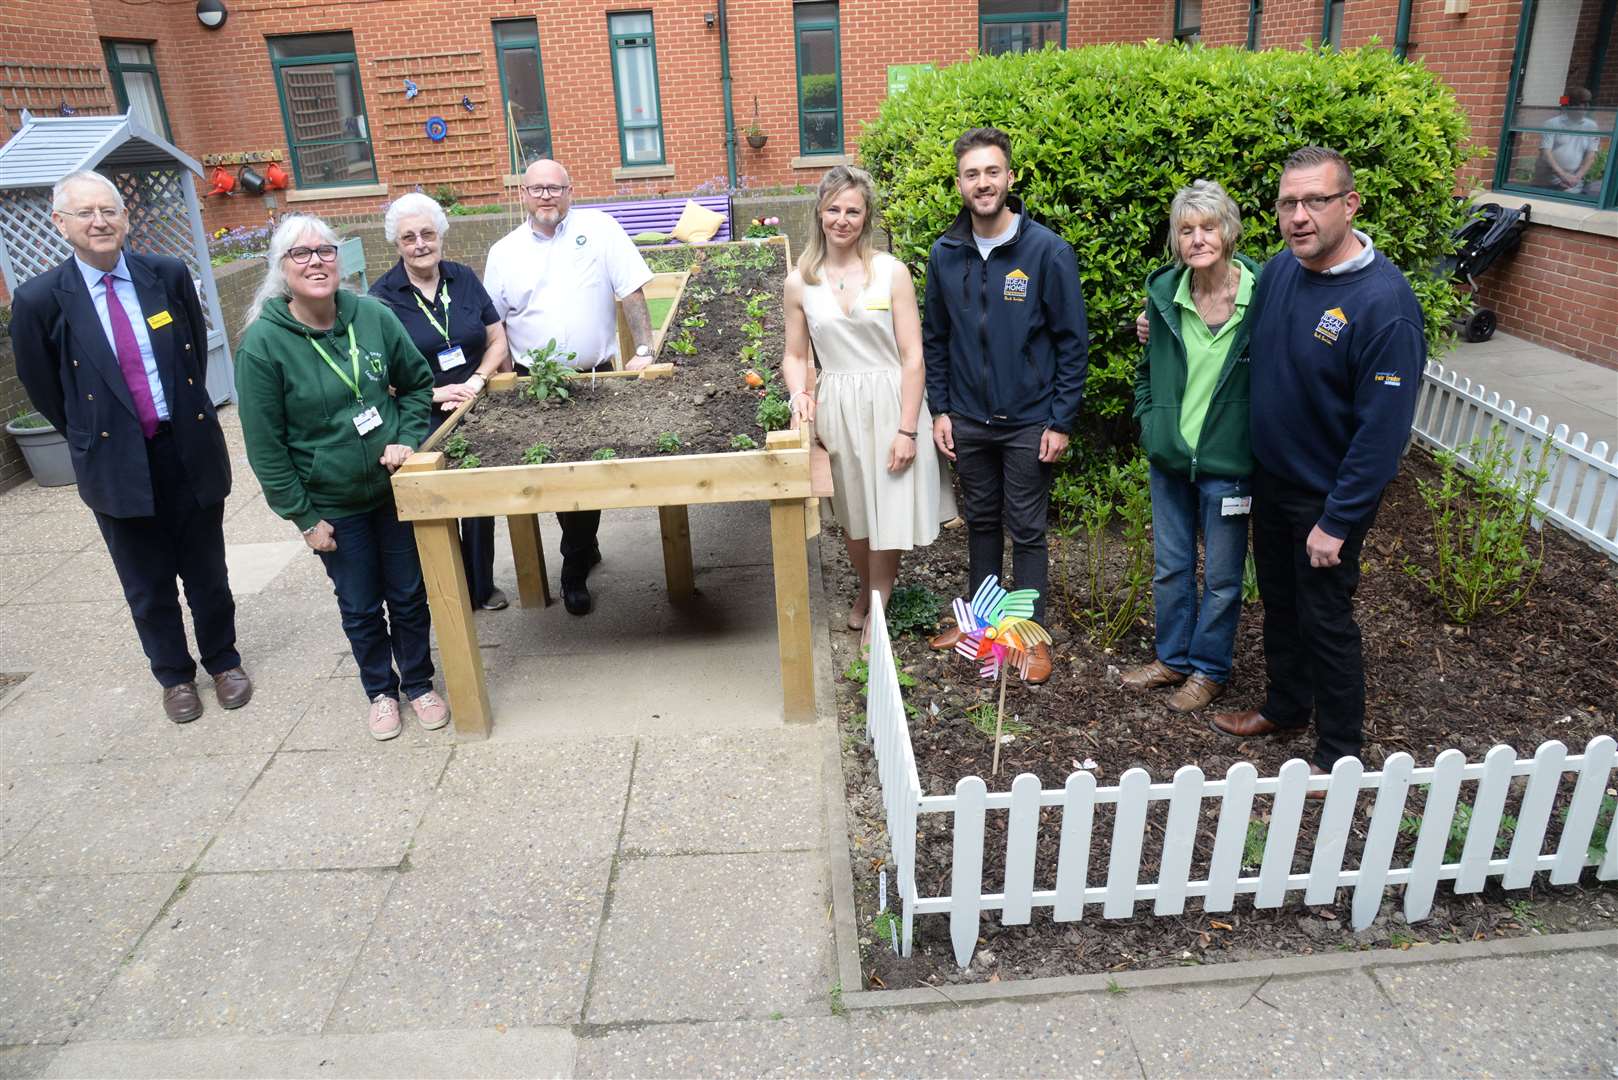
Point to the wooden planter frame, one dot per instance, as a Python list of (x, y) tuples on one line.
[(434, 498)]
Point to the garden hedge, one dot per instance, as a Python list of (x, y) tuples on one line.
[(1102, 137)]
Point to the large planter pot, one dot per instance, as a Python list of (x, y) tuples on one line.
[(45, 449)]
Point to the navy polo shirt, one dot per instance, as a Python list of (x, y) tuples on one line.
[(470, 312)]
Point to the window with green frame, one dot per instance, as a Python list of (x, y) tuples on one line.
[(1255, 23), (1020, 25), (1562, 109), (1331, 23), (522, 88), (1188, 21), (820, 80), (317, 80), (634, 86), (134, 81)]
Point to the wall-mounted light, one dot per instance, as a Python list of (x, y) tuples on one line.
[(708, 19), (212, 13)]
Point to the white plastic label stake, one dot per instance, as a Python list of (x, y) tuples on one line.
[(882, 891), (893, 931)]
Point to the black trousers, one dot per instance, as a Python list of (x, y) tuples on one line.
[(477, 542), (180, 540), (1005, 488), (579, 528), (1312, 652)]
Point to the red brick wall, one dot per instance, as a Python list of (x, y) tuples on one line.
[(1561, 290)]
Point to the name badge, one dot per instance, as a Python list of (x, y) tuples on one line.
[(1235, 507), (449, 359), (368, 421), (880, 304), (161, 319)]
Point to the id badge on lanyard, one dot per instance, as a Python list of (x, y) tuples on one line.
[(451, 356)]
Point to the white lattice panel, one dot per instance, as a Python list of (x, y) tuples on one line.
[(160, 221), (31, 240)]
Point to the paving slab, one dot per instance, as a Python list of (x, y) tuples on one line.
[(329, 809), (25, 1062), (335, 719), (806, 1046), (1077, 1035), (303, 574), (1553, 1015), (43, 724), (752, 791), (87, 575), (258, 727), (478, 945), (92, 637), (28, 498), (721, 937), (514, 1052), (146, 815), (243, 954), (252, 521), (1329, 1025), (252, 566), (61, 941), (276, 625), (18, 573), (47, 532), (523, 805), (30, 793)]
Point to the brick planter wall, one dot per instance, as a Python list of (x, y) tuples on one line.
[(1561, 290)]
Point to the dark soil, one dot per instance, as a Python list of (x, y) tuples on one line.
[(1547, 670), (706, 403)]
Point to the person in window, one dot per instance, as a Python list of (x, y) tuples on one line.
[(857, 307), (333, 398), (1191, 391), (1567, 156), (452, 322)]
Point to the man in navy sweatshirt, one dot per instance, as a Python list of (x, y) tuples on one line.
[(1337, 352)]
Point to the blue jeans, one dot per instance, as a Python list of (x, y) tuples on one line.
[(1192, 636), (375, 564)]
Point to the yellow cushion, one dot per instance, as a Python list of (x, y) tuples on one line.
[(697, 224)]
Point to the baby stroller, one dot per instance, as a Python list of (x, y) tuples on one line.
[(1492, 232)]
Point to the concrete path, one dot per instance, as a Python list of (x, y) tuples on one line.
[(630, 878), (1570, 391)]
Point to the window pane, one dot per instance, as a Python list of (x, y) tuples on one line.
[(637, 85), (129, 53), (533, 144), (639, 22), (817, 55), (323, 102), (521, 70), (287, 48), (1017, 7), (520, 31), (643, 145), (1570, 164), (1190, 15), (1563, 49), (1019, 37), (812, 13), (820, 133), (144, 105)]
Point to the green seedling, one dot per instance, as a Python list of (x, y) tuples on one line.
[(669, 443), (470, 461), (548, 374), (455, 446), (1258, 832), (981, 717), (743, 442), (684, 345), (538, 454), (773, 413), (1114, 989), (606, 453)]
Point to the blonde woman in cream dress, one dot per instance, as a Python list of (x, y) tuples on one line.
[(857, 308)]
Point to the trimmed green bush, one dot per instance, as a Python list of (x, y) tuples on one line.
[(1103, 136)]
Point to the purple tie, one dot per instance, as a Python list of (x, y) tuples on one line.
[(134, 369)]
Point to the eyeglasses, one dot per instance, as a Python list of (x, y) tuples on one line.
[(1312, 203), (546, 191), (105, 212), (302, 255)]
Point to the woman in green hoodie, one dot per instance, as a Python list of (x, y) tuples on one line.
[(324, 433), (1191, 401)]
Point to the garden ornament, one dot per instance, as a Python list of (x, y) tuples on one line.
[(998, 632), (411, 89)]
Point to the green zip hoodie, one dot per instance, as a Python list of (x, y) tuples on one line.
[(1225, 445), (298, 414)]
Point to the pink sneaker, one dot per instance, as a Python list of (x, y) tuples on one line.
[(384, 721), (430, 710)]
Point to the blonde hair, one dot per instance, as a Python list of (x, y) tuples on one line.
[(837, 180), (289, 232), (1204, 200)]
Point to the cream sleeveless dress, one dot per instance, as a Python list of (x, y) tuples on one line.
[(857, 415)]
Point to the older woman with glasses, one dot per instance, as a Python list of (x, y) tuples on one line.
[(452, 322), (334, 397)]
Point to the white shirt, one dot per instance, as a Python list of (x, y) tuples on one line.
[(564, 286), (1569, 150), (130, 302), (1358, 262), (987, 244)]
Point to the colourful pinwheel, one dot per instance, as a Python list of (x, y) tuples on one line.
[(997, 628)]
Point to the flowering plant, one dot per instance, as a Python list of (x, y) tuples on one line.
[(761, 227), (242, 242)]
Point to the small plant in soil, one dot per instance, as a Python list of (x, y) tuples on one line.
[(548, 374), (606, 453), (1604, 816), (455, 446), (1253, 846), (694, 321), (668, 443), (743, 442), (538, 454), (1523, 912), (885, 926), (758, 305), (700, 294), (773, 413), (1114, 989), (683, 344), (470, 461), (26, 418), (1486, 553), (913, 609), (1459, 826), (1111, 598), (981, 716)]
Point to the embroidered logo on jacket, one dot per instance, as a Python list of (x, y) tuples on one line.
[(1391, 379), (1016, 286), (1331, 324)]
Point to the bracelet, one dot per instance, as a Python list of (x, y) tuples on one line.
[(907, 434)]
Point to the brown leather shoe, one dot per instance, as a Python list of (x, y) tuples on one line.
[(1195, 693), (181, 702), (945, 640), (1039, 665), (1151, 676), (1246, 725), (1316, 770), (235, 689)]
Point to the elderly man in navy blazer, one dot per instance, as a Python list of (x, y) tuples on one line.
[(111, 348)]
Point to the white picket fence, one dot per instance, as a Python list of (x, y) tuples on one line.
[(1581, 493), (1117, 894)]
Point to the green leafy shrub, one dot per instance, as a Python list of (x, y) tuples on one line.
[(913, 609), (1102, 137), (1117, 574), (1459, 826)]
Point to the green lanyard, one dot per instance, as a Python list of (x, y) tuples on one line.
[(354, 358), (425, 310)]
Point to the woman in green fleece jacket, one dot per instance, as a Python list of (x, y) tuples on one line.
[(1191, 400), (323, 434)]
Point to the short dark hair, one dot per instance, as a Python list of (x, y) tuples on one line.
[(983, 136), (1308, 157)]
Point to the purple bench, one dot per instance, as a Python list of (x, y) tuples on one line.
[(661, 215)]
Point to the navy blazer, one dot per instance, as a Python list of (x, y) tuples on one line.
[(71, 373)]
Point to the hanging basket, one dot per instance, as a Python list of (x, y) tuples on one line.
[(757, 141)]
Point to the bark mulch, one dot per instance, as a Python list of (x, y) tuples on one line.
[(1546, 670)]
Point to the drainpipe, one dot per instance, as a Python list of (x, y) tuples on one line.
[(724, 80), (1401, 35)]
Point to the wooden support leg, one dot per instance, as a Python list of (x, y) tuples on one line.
[(677, 570), (787, 526), (439, 543), (533, 586)]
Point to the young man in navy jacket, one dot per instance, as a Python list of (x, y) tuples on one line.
[(1006, 347), (1337, 352)]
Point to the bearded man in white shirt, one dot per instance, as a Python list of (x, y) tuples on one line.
[(559, 276)]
